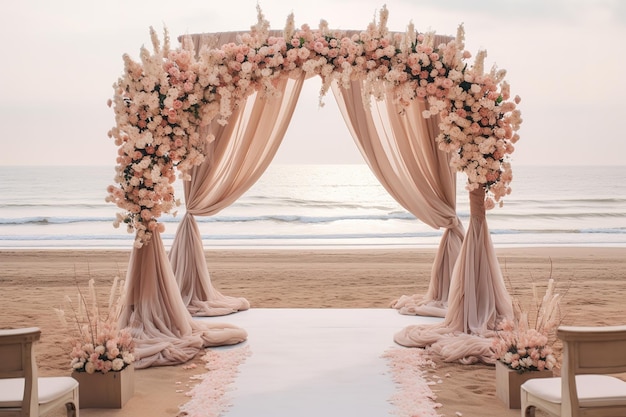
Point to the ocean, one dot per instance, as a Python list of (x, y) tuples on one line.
[(316, 206)]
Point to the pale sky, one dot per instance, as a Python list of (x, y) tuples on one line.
[(565, 58)]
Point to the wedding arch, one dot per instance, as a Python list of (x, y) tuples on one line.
[(216, 109)]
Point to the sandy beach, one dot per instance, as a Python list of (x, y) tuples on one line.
[(33, 282)]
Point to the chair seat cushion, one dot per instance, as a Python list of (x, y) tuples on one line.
[(593, 390), (50, 388)]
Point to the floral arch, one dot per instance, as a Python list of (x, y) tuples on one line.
[(216, 109)]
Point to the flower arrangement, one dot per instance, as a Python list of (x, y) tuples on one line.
[(526, 343), (162, 102), (478, 126), (156, 130), (98, 344)]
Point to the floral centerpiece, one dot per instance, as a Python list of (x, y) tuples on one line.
[(526, 343), (98, 344)]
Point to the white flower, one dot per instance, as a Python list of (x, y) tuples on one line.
[(117, 364), (128, 357), (90, 368)]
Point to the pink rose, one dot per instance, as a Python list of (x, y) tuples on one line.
[(146, 214), (303, 53), (318, 47)]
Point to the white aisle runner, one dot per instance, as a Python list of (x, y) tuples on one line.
[(315, 362)]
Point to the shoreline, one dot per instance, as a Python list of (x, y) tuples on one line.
[(321, 247), (34, 282)]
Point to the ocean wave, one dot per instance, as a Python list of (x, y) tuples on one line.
[(599, 230), (305, 236), (567, 201), (72, 237), (48, 220), (56, 205), (295, 218), (278, 218), (281, 202), (492, 216), (261, 236)]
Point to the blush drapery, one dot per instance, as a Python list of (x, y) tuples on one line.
[(241, 152), (478, 299), (409, 165), (399, 146), (163, 330)]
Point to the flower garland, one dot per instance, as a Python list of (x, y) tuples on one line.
[(161, 103)]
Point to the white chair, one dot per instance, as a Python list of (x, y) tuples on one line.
[(586, 386), (22, 392)]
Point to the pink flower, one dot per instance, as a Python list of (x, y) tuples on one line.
[(303, 53), (146, 214), (318, 47)]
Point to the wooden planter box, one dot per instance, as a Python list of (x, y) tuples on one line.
[(508, 383), (110, 390)]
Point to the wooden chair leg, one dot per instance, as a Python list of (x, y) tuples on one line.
[(529, 412), (70, 409)]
